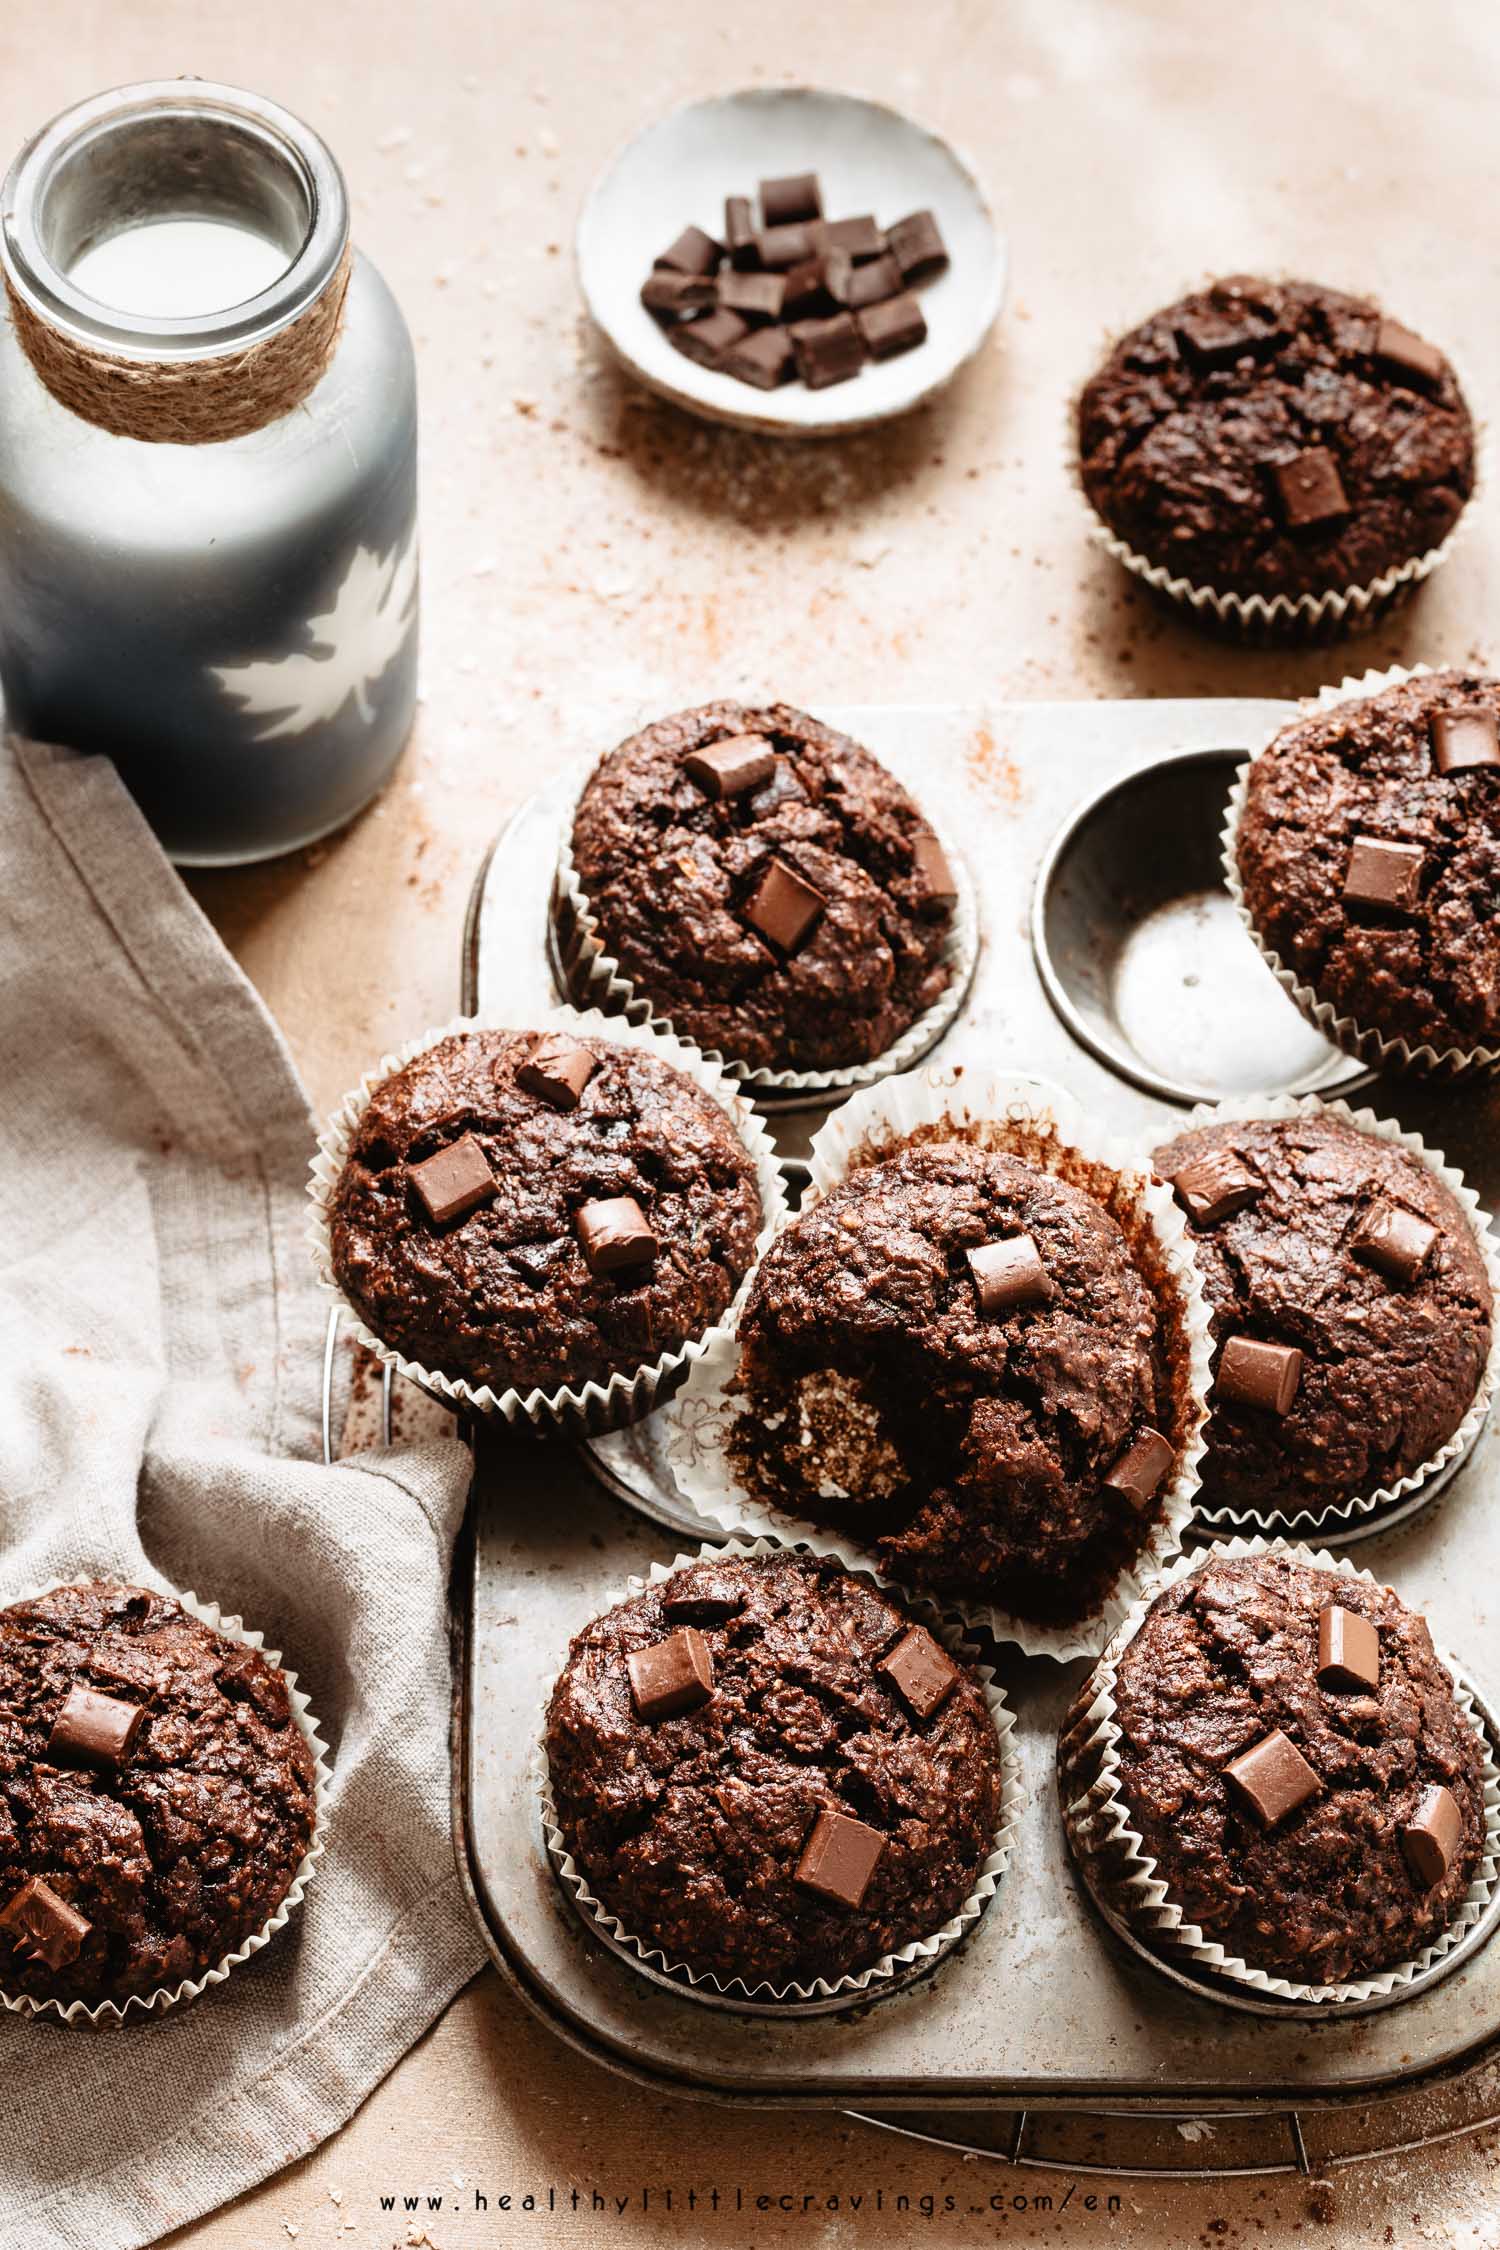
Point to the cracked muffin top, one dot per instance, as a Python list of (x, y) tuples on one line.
[(1262, 437), (955, 1355), (531, 1209), (156, 1794), (1348, 1250), (1353, 1852), (1369, 853), (764, 882), (766, 1768)]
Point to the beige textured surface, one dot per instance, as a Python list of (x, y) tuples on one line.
[(579, 539)]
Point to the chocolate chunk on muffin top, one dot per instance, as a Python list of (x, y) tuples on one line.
[(1369, 854), (766, 885), (768, 1769), (1261, 437), (1319, 1823), (533, 1209), (1345, 1249), (954, 1355), (156, 1794)]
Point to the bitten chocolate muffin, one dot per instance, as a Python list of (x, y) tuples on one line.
[(1295, 1762), (1263, 437), (766, 885), (1369, 854), (764, 1767), (532, 1209), (1342, 1275), (954, 1356), (156, 1794)]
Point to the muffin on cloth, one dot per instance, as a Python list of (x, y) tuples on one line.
[(156, 1794), (766, 886), (953, 1355), (1351, 1267), (765, 1768), (530, 1209), (1275, 438), (1368, 855), (1293, 1758)]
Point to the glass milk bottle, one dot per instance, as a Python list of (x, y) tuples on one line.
[(208, 562)]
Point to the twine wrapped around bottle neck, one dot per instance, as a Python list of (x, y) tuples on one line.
[(189, 401)]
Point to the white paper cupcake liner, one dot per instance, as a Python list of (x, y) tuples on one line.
[(1384, 1050), (1278, 619), (1344, 1518), (106, 2013), (1099, 1820), (587, 1407), (600, 982), (823, 1994), (1000, 1108)]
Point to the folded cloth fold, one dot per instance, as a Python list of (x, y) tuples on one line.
[(160, 1363)]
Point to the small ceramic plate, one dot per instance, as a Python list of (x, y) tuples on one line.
[(868, 158)]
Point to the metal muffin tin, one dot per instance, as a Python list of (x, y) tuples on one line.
[(1092, 2064)]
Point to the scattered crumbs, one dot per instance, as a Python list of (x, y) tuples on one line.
[(1196, 2129), (335, 2195), (290, 2229), (524, 405)]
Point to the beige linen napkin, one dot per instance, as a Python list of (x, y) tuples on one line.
[(160, 1364)]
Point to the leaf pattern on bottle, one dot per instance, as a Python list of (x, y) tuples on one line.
[(373, 612)]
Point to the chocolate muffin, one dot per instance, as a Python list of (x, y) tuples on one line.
[(1294, 1759), (954, 1356), (766, 885), (1354, 1275), (1262, 437), (1369, 855), (156, 1794), (530, 1209), (765, 1768)]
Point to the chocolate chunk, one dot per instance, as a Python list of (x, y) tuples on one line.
[(455, 1181), (1384, 875), (1348, 1650), (782, 907), (1008, 1273), (1394, 1241), (692, 252), (754, 296), (1273, 1778), (872, 284), (703, 1594), (707, 339), (95, 1730), (673, 296), (892, 327), (828, 351), (917, 246), (1140, 1468), (1212, 1186), (1463, 739), (781, 248), (1310, 489), (818, 286), (1431, 1841), (839, 1858), (930, 866), (740, 232), (1256, 1374), (557, 1070), (42, 1926), (672, 1676), (798, 196), (765, 358), (860, 239), (1217, 340), (921, 1671), (730, 767), (615, 1234), (1408, 355)]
